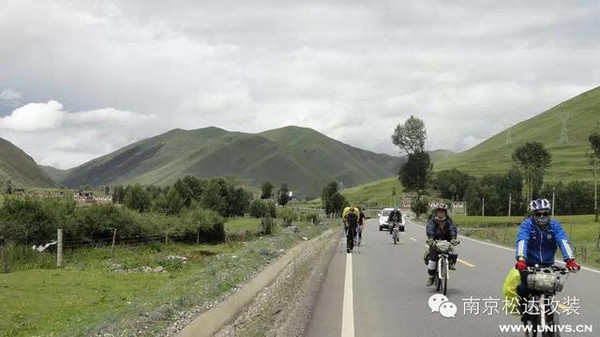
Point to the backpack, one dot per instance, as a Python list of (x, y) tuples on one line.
[(352, 218)]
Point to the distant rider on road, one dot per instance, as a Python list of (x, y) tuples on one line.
[(440, 227), (394, 218), (350, 217)]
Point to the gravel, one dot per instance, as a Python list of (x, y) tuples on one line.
[(284, 308)]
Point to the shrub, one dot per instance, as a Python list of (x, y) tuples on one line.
[(202, 225), (262, 208), (267, 224), (288, 216), (311, 217)]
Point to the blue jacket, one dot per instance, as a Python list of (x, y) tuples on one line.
[(539, 247)]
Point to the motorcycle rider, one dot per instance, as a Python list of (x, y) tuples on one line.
[(537, 241), (440, 227), (394, 218)]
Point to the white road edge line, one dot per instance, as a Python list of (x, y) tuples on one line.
[(415, 240), (348, 306)]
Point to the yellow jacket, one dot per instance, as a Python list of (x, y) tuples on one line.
[(348, 210)]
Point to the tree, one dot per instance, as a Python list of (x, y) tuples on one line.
[(118, 196), (106, 190), (533, 160), (136, 198), (215, 196), (415, 173), (419, 205), (452, 184), (173, 202), (332, 200), (282, 195), (238, 201), (410, 136), (203, 226), (267, 190)]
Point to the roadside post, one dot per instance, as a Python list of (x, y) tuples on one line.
[(4, 262), (59, 249)]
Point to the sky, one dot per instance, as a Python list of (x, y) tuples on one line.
[(80, 79)]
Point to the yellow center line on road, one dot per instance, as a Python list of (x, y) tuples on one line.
[(466, 263)]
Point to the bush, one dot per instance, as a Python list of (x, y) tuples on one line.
[(267, 224), (26, 220), (258, 209), (288, 216), (311, 217), (262, 208), (202, 225)]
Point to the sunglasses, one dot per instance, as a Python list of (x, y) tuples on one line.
[(542, 214)]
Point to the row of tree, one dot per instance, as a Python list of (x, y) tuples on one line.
[(190, 192), (31, 220)]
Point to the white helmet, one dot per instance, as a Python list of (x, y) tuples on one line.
[(540, 205), (540, 218)]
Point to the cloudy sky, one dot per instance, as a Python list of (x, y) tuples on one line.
[(79, 79)]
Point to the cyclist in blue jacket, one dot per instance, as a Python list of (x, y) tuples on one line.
[(537, 241)]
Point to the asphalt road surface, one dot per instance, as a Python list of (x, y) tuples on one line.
[(379, 290)]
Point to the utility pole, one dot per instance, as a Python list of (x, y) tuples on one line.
[(553, 195), (114, 238), (483, 207), (509, 203)]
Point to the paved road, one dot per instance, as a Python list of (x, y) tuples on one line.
[(380, 291)]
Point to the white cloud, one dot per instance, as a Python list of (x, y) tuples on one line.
[(34, 117), (53, 135), (351, 70)]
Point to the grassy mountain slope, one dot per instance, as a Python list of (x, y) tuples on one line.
[(569, 157), (57, 175), (303, 158), (379, 193), (20, 168)]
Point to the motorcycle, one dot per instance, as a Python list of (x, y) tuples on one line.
[(543, 284)]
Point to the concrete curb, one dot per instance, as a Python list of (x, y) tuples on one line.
[(211, 321)]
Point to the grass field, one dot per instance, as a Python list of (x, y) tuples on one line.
[(376, 194), (85, 297), (581, 229)]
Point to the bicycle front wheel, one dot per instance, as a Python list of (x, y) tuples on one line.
[(444, 272)]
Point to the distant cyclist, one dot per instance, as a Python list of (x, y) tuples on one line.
[(361, 222), (394, 218), (537, 241), (351, 217), (440, 227)]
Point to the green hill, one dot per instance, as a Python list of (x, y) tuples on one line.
[(303, 158), (379, 193), (20, 168), (564, 131), (57, 175)]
